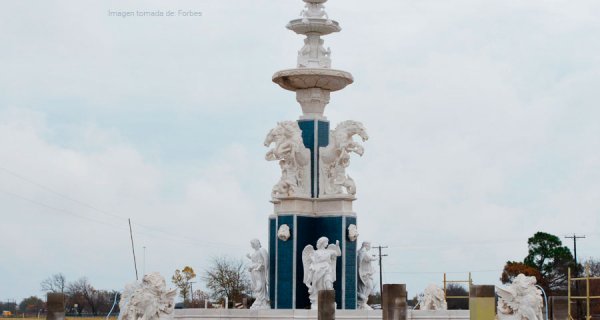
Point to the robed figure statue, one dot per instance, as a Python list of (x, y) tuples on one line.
[(319, 267), (259, 273), (365, 275)]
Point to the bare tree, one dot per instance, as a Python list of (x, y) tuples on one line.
[(56, 283), (227, 278), (594, 267), (82, 291)]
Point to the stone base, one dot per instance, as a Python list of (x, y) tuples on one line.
[(320, 207), (286, 287), (222, 314)]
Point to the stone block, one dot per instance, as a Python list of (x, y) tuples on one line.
[(482, 302), (559, 308), (55, 304), (326, 307), (394, 302)]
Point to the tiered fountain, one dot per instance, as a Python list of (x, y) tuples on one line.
[(314, 196)]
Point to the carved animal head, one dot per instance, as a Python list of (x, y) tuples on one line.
[(351, 128)]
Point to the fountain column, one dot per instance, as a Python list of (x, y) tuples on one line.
[(314, 196)]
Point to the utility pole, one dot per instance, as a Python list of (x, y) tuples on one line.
[(575, 237), (133, 250), (381, 269), (192, 292)]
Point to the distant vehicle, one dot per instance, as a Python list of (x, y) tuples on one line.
[(6, 314)]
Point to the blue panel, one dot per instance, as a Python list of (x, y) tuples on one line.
[(323, 133), (308, 137), (285, 266), (351, 268), (306, 235), (322, 141), (272, 257)]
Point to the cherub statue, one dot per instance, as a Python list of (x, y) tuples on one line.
[(314, 10), (148, 299), (259, 273), (314, 55), (319, 267), (433, 299), (521, 300), (365, 275)]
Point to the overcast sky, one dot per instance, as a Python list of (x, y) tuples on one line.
[(483, 118)]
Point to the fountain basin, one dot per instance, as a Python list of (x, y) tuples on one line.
[(307, 78)]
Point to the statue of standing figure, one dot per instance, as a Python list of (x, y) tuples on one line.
[(365, 275), (319, 267), (259, 273)]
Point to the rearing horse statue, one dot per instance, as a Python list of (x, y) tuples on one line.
[(335, 158)]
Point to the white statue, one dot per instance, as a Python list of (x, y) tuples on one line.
[(319, 267), (352, 232), (365, 276), (335, 158), (148, 299), (283, 233), (313, 54), (259, 273), (294, 160), (314, 11), (521, 300), (433, 299)]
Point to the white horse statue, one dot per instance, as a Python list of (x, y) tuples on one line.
[(335, 158), (294, 159)]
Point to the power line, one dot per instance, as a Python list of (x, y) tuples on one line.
[(169, 236), (64, 196), (439, 272), (104, 212), (56, 209)]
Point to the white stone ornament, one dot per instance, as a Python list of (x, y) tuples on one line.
[(352, 232), (284, 232), (335, 158), (313, 54), (148, 299), (521, 300), (365, 276), (259, 273), (433, 299), (293, 157), (319, 268), (314, 9)]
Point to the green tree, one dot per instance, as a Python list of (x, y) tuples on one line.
[(181, 279), (32, 304), (551, 259)]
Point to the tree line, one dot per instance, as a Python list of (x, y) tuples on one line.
[(81, 298)]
